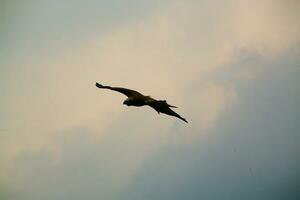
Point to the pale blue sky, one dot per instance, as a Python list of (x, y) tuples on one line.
[(232, 68)]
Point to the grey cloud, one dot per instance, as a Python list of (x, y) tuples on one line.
[(86, 167), (35, 28), (251, 154)]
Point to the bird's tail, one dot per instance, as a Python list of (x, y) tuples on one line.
[(172, 106), (169, 104)]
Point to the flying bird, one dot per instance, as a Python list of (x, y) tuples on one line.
[(135, 98)]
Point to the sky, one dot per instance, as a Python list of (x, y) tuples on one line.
[(232, 68)]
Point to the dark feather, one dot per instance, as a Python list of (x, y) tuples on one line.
[(137, 99), (164, 107), (127, 92)]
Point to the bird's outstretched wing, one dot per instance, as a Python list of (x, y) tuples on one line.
[(164, 107), (127, 92)]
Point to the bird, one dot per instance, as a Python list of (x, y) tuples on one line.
[(134, 98)]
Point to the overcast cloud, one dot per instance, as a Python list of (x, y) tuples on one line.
[(232, 68)]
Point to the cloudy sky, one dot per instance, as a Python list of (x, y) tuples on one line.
[(232, 67)]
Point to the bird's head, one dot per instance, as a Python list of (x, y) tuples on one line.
[(127, 102)]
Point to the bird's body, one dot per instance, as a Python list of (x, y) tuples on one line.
[(137, 99)]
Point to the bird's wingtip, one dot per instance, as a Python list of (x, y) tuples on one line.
[(98, 85), (183, 119)]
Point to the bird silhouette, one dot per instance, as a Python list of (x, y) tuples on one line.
[(135, 98)]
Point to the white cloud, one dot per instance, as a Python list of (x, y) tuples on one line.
[(268, 27)]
